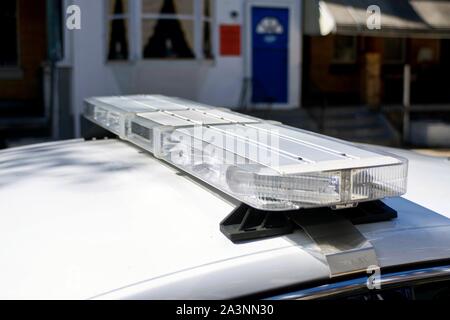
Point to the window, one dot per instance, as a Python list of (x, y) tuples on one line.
[(160, 29), (118, 21), (394, 50), (345, 50), (9, 53), (207, 29), (168, 28)]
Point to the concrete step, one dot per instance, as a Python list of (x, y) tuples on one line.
[(298, 118), (356, 132), (340, 123), (340, 111), (358, 124)]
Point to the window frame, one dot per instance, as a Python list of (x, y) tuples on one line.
[(394, 61), (108, 18), (211, 20), (14, 70), (354, 48), (136, 16)]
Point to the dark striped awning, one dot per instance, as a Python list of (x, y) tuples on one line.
[(399, 18)]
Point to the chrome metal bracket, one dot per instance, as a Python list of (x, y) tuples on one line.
[(346, 250)]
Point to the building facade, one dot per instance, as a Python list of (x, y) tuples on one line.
[(242, 54), (23, 51), (203, 50), (349, 61)]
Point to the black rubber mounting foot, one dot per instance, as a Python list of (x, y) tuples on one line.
[(246, 223)]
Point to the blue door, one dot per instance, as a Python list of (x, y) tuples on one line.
[(270, 43)]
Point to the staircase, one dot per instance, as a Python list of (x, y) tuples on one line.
[(298, 118), (357, 124)]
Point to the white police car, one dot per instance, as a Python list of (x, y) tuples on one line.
[(201, 203)]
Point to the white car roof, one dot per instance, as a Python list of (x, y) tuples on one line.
[(104, 219)]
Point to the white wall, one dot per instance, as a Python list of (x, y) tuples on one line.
[(91, 76), (215, 82)]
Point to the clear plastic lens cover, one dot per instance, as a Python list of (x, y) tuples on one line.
[(265, 179), (268, 166)]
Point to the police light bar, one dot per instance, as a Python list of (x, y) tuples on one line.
[(266, 165)]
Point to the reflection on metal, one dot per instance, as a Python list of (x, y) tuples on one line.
[(346, 250), (406, 101), (360, 284)]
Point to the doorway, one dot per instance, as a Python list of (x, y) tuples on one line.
[(272, 54)]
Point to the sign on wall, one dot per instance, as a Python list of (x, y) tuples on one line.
[(270, 45), (230, 40)]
